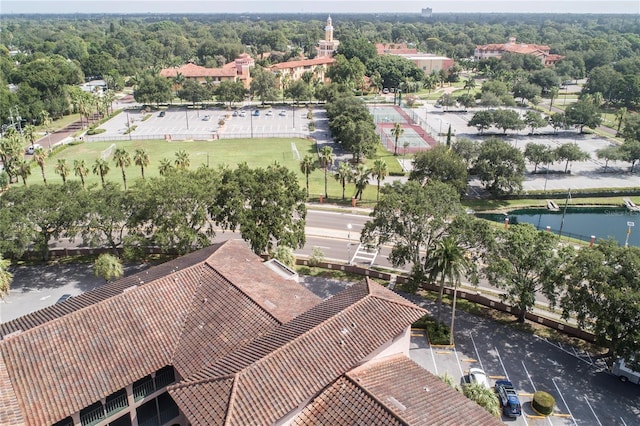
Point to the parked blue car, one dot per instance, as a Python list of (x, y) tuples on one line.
[(508, 399)]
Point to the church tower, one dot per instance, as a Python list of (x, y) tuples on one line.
[(327, 46)]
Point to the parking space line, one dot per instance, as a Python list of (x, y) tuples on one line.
[(458, 360), (501, 363), (529, 376), (623, 422), (476, 349), (591, 408), (435, 364), (563, 401)]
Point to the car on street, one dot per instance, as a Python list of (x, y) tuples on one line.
[(477, 375), (161, 114), (508, 397), (283, 113), (235, 114), (269, 113), (243, 114), (32, 148), (256, 113), (206, 118)]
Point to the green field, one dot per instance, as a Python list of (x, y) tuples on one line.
[(255, 152)]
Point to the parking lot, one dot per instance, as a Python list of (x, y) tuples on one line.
[(582, 174), (585, 392), (182, 123)]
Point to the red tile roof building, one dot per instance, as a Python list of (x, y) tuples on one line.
[(497, 50), (238, 70), (293, 70), (216, 337)]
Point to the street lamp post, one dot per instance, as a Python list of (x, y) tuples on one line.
[(349, 226), (128, 128), (293, 113), (251, 119), (186, 114), (629, 226)]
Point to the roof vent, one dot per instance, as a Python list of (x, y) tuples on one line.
[(426, 388), (344, 331), (269, 304), (342, 343), (128, 289), (396, 403)]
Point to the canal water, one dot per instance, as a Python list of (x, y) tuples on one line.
[(579, 222)]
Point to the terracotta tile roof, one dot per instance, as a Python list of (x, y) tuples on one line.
[(99, 349), (515, 48), (303, 63), (191, 70), (276, 373), (417, 396), (284, 299), (345, 403), (182, 313), (105, 292)]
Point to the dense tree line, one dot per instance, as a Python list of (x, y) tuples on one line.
[(55, 52), (428, 230), (177, 212)]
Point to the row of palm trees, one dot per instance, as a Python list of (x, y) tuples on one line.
[(344, 172), (121, 158)]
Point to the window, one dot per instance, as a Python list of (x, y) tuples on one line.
[(122, 421), (167, 408), (148, 414), (64, 422)]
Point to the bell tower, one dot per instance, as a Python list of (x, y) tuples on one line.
[(327, 46), (328, 30)]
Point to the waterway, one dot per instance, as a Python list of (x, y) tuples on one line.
[(579, 222)]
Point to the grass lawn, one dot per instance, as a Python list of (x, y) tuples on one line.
[(255, 152)]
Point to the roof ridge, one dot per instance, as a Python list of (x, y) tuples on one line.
[(282, 339), (244, 293), (232, 399), (373, 397)]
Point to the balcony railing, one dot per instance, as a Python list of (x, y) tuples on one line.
[(92, 417), (143, 388), (164, 378), (118, 403)]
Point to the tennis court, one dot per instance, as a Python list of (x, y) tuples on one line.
[(413, 138), (388, 114)]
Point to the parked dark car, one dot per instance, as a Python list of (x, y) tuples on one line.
[(162, 113), (508, 399)]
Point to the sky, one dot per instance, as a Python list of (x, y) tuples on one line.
[(318, 6)]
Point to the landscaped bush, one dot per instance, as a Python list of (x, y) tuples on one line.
[(94, 131), (438, 335), (543, 403)]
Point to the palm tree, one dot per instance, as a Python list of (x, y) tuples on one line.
[(5, 277), (182, 160), (80, 169), (141, 158), (397, 131), (24, 170), (379, 171), (553, 93), (449, 262), (620, 116), (469, 84), (326, 161), (29, 132), (165, 167), (307, 165), (343, 175), (62, 168), (122, 159), (360, 179), (39, 157), (101, 168)]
